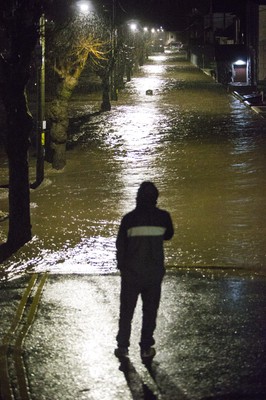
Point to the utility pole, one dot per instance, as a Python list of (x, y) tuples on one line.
[(41, 123), (113, 53), (211, 21)]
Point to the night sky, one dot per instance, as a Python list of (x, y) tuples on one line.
[(171, 14)]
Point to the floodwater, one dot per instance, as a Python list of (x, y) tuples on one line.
[(201, 146)]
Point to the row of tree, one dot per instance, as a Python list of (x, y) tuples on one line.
[(73, 40)]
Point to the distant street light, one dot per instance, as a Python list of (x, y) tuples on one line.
[(84, 7), (133, 27)]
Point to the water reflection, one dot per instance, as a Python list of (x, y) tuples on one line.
[(202, 147), (91, 255)]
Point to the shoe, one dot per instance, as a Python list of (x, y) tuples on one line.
[(121, 352), (148, 353)]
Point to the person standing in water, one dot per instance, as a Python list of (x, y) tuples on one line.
[(140, 259)]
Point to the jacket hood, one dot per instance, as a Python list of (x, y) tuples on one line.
[(147, 195)]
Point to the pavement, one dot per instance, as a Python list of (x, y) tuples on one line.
[(247, 94), (58, 333), (253, 100)]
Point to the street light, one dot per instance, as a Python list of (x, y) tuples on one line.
[(240, 62), (133, 26), (84, 7)]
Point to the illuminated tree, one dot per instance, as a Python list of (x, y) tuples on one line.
[(70, 45)]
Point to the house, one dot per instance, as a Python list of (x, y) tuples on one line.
[(262, 46), (229, 42)]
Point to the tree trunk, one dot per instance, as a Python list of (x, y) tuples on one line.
[(19, 36), (106, 104), (58, 114), (128, 71), (19, 125), (19, 201), (120, 75), (59, 155)]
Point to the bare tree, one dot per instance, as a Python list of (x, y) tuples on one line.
[(80, 40)]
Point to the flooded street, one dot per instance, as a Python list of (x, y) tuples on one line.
[(206, 152), (201, 146)]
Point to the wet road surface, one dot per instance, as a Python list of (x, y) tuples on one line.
[(203, 148), (206, 152), (210, 339)]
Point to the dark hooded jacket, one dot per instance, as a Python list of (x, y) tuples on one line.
[(141, 234)]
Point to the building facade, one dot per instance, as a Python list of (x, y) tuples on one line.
[(230, 42), (262, 45)]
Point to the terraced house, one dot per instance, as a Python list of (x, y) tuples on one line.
[(228, 38)]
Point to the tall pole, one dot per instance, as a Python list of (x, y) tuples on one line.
[(41, 123), (211, 20), (113, 53)]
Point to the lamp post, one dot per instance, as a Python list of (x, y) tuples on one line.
[(113, 53), (134, 30), (41, 123)]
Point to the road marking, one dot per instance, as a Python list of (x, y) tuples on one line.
[(23, 319)]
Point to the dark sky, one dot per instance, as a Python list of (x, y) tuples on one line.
[(171, 14)]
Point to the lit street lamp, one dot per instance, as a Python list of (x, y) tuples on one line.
[(84, 7), (133, 27)]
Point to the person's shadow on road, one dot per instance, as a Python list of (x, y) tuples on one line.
[(149, 383)]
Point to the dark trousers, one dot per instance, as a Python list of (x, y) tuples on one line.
[(150, 293)]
